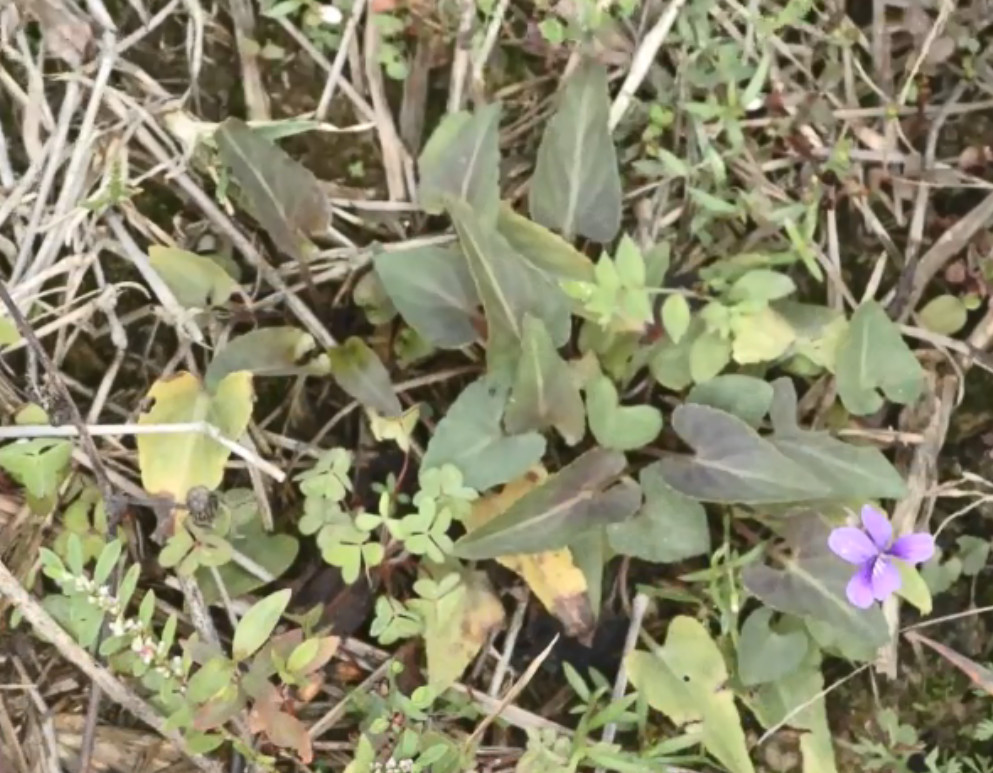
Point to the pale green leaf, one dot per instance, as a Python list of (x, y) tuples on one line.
[(616, 426), (258, 624), (545, 250), (676, 316), (945, 314), (765, 654), (709, 353), (197, 281), (359, 371)]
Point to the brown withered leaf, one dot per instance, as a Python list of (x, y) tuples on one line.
[(67, 34)]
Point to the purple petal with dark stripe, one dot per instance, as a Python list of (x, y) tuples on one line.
[(885, 579), (859, 590), (913, 548)]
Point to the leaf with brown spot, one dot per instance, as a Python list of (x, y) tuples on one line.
[(282, 194), (552, 575)]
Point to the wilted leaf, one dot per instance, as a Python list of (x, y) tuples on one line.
[(399, 429), (552, 515), (746, 397), (945, 314), (363, 376), (851, 472), (552, 576), (545, 250), (873, 355), (669, 527), (270, 351), (172, 464), (462, 160), (508, 287), (456, 625), (811, 584), (576, 187), (621, 427), (979, 675), (733, 463), (196, 281), (258, 623), (283, 195), (288, 732), (545, 393), (469, 437), (766, 655), (687, 681), (434, 293)]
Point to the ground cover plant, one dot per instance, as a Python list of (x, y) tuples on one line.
[(492, 386)]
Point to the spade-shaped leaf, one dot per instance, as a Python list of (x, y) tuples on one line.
[(553, 575), (470, 437), (873, 356), (669, 526), (172, 464), (359, 371), (687, 681), (765, 654), (462, 161), (733, 463), (542, 248), (270, 351), (283, 195), (576, 188), (552, 515), (852, 472), (508, 287), (197, 281), (434, 293), (545, 393), (811, 583), (617, 426)]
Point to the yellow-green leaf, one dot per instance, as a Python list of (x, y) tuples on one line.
[(196, 281), (172, 464)]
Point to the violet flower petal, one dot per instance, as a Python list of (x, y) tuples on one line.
[(852, 545), (877, 526), (885, 579), (913, 548), (859, 590)]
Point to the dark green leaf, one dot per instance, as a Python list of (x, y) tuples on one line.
[(462, 161), (576, 187), (873, 355), (283, 195), (508, 287), (270, 351), (434, 293), (669, 527), (360, 372), (545, 393), (470, 437), (746, 397), (733, 463), (553, 514), (811, 583)]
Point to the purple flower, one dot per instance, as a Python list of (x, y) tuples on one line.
[(870, 548)]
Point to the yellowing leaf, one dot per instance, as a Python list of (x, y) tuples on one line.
[(398, 429), (456, 625), (172, 464), (760, 337), (553, 575)]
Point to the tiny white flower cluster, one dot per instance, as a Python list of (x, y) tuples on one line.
[(144, 646), (394, 766)]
